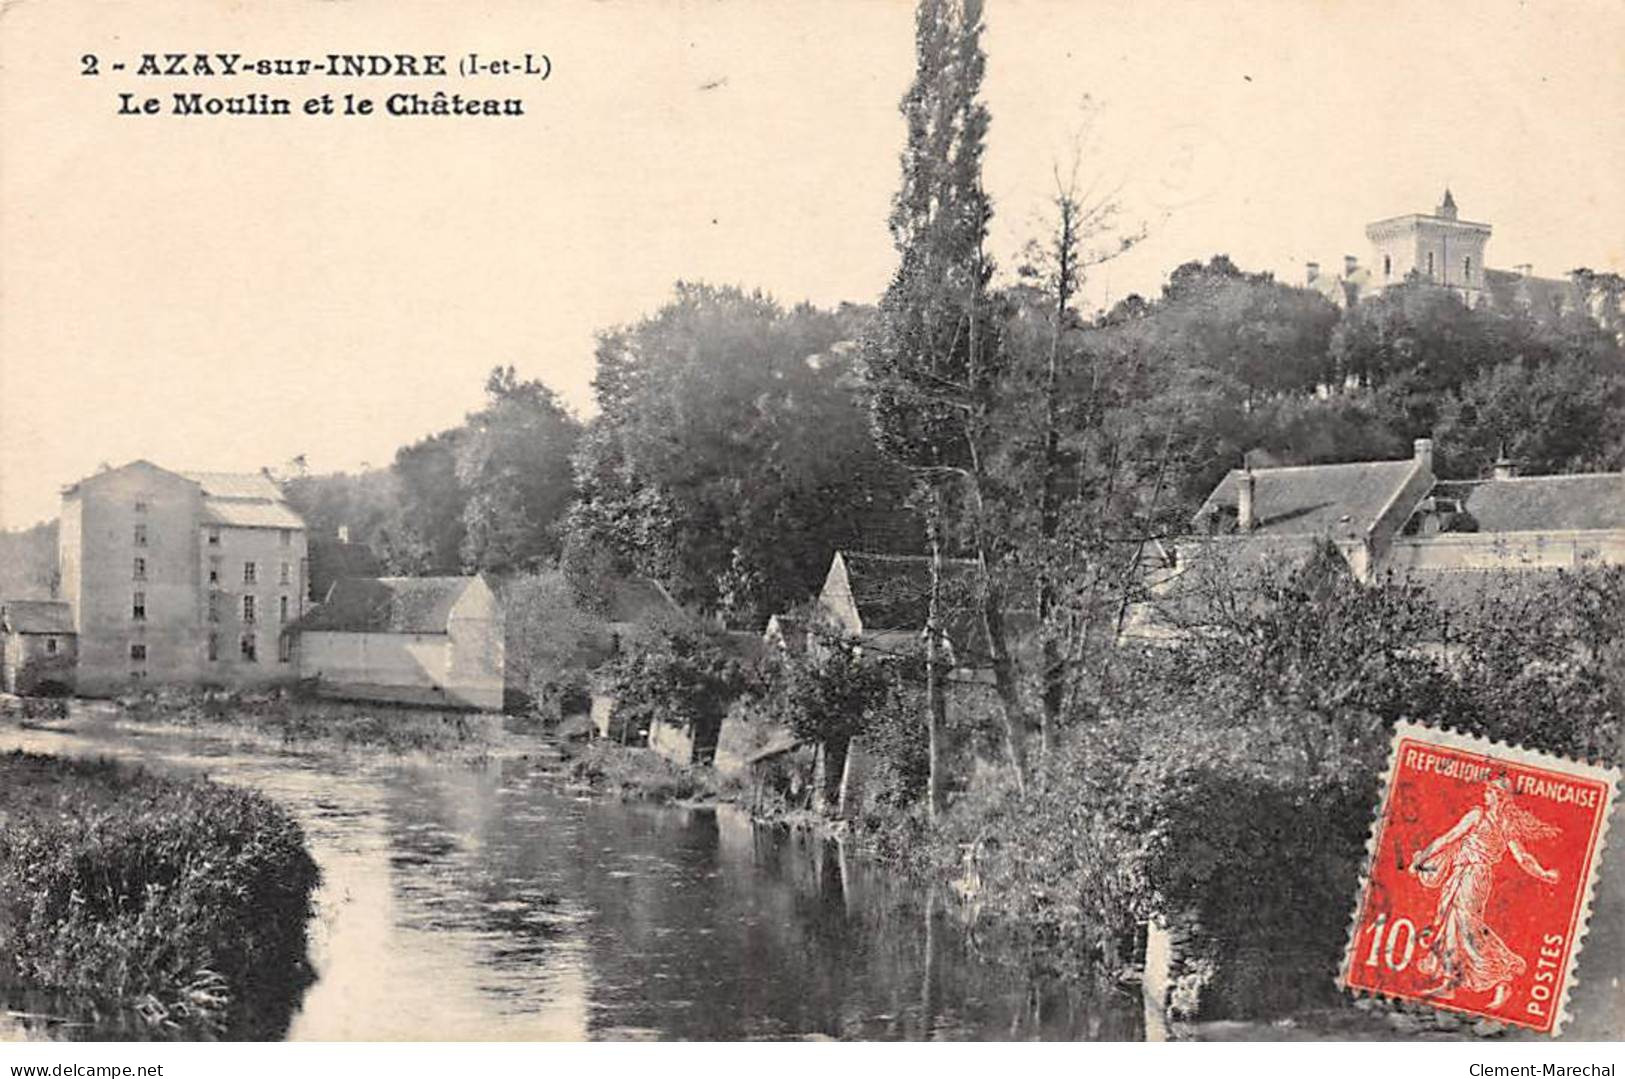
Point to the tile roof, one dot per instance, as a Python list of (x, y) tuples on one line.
[(1341, 501), (1544, 503), (235, 514), (387, 605), (243, 500), (37, 616), (250, 485)]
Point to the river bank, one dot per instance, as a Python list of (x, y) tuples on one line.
[(496, 899), (169, 901)]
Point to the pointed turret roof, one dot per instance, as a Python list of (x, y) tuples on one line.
[(1447, 208)]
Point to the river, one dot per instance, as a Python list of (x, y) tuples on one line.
[(493, 901)]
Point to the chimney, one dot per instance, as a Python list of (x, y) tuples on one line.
[(1424, 452), (344, 533), (1313, 273), (1525, 269), (1350, 264), (1246, 497)]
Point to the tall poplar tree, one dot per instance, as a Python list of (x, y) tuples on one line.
[(934, 356)]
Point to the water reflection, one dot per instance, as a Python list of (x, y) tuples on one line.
[(494, 902)]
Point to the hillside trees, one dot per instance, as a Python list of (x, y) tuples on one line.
[(730, 456), (513, 463)]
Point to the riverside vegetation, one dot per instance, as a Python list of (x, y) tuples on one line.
[(183, 902), (296, 720)]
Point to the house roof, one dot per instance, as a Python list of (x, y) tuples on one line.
[(892, 591), (243, 500), (1462, 590), (1543, 295), (632, 599), (387, 605), (235, 514), (236, 485), (892, 595), (37, 616), (1591, 501), (1340, 501)]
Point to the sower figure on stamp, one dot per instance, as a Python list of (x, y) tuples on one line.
[(1465, 952)]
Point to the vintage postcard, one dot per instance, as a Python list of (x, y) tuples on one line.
[(796, 520)]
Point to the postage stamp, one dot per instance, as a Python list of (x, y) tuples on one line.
[(1478, 877)]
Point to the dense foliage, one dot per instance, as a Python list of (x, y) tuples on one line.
[(184, 900), (678, 675), (731, 456), (1226, 781)]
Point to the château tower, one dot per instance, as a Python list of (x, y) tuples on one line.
[(1437, 247)]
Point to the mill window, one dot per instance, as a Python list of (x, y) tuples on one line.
[(249, 648), (140, 569), (214, 647), (286, 576), (50, 646), (214, 536), (284, 649), (1430, 264), (138, 607), (214, 606), (140, 535), (214, 570), (248, 608), (1467, 269), (250, 572), (138, 653), (287, 537), (282, 609), (140, 507)]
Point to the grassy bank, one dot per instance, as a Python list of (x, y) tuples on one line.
[(183, 901), (296, 721)]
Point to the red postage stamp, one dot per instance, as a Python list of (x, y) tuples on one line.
[(1478, 877)]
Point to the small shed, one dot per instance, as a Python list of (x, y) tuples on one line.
[(39, 650), (415, 640)]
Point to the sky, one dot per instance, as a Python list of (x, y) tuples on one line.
[(226, 293)]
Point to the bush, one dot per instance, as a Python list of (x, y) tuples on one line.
[(642, 773), (680, 676), (185, 900), (1225, 783)]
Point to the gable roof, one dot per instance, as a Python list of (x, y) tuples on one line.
[(634, 598), (893, 591), (243, 500), (387, 605), (1339, 501), (140, 464), (1591, 501), (37, 616)]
